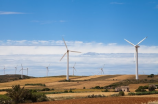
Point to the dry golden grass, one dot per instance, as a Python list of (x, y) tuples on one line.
[(133, 87), (32, 80), (3, 92), (80, 94), (122, 77), (88, 77), (52, 82), (87, 84)]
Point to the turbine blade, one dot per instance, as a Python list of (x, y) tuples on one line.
[(63, 56), (21, 66), (129, 42), (74, 64), (75, 51), (103, 71), (103, 66), (142, 40), (65, 44), (75, 69)]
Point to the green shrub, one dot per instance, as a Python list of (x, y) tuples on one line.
[(121, 93), (65, 91), (97, 87), (145, 87), (39, 97), (114, 95), (131, 93), (106, 90), (17, 94), (140, 89), (70, 90), (21, 95), (35, 84), (45, 89), (5, 99), (95, 96)]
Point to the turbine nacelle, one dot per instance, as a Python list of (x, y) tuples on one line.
[(137, 46)]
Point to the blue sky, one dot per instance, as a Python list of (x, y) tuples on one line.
[(35, 27)]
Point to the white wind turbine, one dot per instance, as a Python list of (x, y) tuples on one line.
[(102, 72), (22, 71), (73, 68), (67, 52), (136, 54), (4, 70), (47, 69), (27, 70), (16, 69)]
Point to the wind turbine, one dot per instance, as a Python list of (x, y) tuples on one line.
[(47, 70), (102, 72), (22, 71), (67, 52), (15, 69), (4, 70), (136, 54), (27, 71), (74, 68)]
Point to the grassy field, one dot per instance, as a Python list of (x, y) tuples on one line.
[(77, 83)]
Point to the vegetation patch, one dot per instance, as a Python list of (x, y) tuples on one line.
[(20, 95), (95, 96), (143, 93), (35, 84)]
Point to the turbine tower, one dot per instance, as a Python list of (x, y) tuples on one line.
[(27, 71), (22, 71), (74, 68), (102, 72), (67, 52), (136, 54), (15, 69), (47, 69), (4, 70)]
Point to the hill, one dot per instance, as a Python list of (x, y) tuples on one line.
[(12, 77)]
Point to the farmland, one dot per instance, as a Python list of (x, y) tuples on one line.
[(82, 86), (108, 100)]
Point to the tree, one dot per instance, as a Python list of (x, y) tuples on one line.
[(18, 94)]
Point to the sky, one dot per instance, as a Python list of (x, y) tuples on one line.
[(31, 34)]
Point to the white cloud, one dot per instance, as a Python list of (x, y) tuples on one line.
[(37, 54), (5, 13), (116, 63), (58, 47), (116, 3)]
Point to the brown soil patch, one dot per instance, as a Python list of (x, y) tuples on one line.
[(108, 100)]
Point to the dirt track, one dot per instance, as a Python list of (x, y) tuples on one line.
[(108, 100)]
